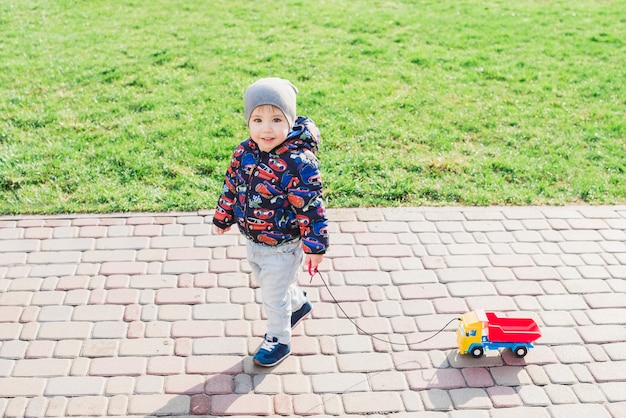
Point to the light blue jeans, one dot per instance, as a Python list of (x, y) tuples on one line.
[(276, 270)]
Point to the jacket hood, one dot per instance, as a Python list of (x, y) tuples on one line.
[(303, 135)]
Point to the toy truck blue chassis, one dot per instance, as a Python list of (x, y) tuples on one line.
[(519, 349)]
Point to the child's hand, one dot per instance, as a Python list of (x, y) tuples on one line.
[(312, 261), (220, 231)]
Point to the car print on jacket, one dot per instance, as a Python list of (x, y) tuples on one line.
[(276, 197)]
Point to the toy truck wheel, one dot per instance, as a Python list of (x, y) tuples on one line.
[(520, 351), (477, 352)]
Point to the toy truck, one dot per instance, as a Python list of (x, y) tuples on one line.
[(480, 331)]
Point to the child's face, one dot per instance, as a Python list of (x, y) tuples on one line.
[(268, 127)]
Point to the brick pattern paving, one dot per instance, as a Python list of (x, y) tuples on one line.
[(152, 315)]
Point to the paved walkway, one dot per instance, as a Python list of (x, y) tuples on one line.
[(152, 315)]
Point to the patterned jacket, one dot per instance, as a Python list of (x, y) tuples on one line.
[(276, 197)]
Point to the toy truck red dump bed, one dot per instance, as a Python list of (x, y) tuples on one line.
[(512, 330)]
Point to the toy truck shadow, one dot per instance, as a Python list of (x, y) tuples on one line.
[(479, 331)]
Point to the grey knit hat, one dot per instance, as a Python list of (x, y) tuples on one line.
[(272, 91)]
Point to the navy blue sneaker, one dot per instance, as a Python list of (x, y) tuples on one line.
[(300, 314), (271, 352)]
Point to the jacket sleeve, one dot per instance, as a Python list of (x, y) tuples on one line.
[(225, 210), (307, 200)]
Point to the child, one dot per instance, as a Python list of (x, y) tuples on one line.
[(273, 190)]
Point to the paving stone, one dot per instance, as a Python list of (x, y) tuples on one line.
[(157, 330), (188, 266), (296, 384), (43, 298), (22, 386), (13, 349), (148, 385), (535, 273), (436, 400), (601, 300), (221, 364), (122, 243), (580, 247), (100, 348), (515, 288), (41, 367), (618, 272), (64, 331), (39, 349), (219, 346), (179, 296), (495, 303), (339, 383), (460, 274), (613, 391), (247, 404), (381, 402), (372, 325), (119, 385), (159, 405), (55, 313), (29, 331), (470, 398), (54, 257), (560, 374), (184, 384), (75, 386), (608, 371), (568, 354), (597, 334), (562, 302), (308, 404), (49, 270), (146, 347), (597, 353), (510, 376), (16, 407), (423, 291), (364, 362), (532, 395), (267, 384), (366, 278), (617, 409), (589, 393), (329, 327), (520, 412), (477, 377), (319, 364), (561, 394), (388, 381), (117, 366), (616, 351), (582, 373), (353, 344), (435, 379), (98, 313), (583, 410), (471, 288), (36, 407), (19, 245), (413, 276)]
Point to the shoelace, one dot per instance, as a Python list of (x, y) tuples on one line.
[(268, 345)]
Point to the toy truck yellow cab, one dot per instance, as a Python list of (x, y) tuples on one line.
[(470, 332), (479, 331)]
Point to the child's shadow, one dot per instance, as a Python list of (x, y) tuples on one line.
[(216, 394)]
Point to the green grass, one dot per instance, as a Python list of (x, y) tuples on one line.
[(136, 106)]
